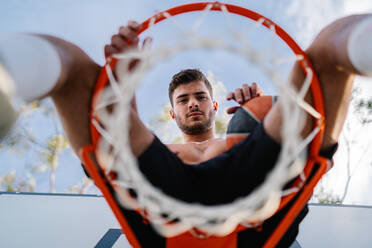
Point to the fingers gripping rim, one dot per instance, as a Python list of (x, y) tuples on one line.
[(303, 60)]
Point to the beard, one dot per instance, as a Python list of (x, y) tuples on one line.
[(197, 128)]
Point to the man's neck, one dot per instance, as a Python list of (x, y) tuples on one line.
[(203, 137)]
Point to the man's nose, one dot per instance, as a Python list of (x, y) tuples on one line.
[(193, 104)]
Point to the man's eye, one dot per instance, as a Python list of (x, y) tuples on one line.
[(202, 97), (182, 100)]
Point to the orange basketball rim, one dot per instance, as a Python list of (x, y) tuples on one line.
[(315, 166)]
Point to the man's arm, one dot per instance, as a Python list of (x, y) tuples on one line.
[(330, 54), (73, 91), (43, 65), (59, 69), (72, 96), (126, 39)]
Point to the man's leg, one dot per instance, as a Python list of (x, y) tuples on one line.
[(332, 56)]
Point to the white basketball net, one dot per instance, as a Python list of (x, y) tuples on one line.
[(115, 154)]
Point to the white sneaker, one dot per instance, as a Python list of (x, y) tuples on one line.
[(8, 115)]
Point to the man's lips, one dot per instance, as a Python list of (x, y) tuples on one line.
[(193, 114)]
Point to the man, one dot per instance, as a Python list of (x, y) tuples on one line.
[(193, 109), (340, 51)]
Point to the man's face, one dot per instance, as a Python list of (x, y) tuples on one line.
[(193, 108)]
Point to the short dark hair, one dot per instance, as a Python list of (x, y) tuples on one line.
[(185, 77)]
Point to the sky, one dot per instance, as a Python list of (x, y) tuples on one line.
[(90, 24)]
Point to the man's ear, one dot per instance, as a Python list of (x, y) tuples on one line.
[(171, 112), (215, 106)]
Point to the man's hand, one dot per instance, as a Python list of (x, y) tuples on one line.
[(243, 95), (125, 39)]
